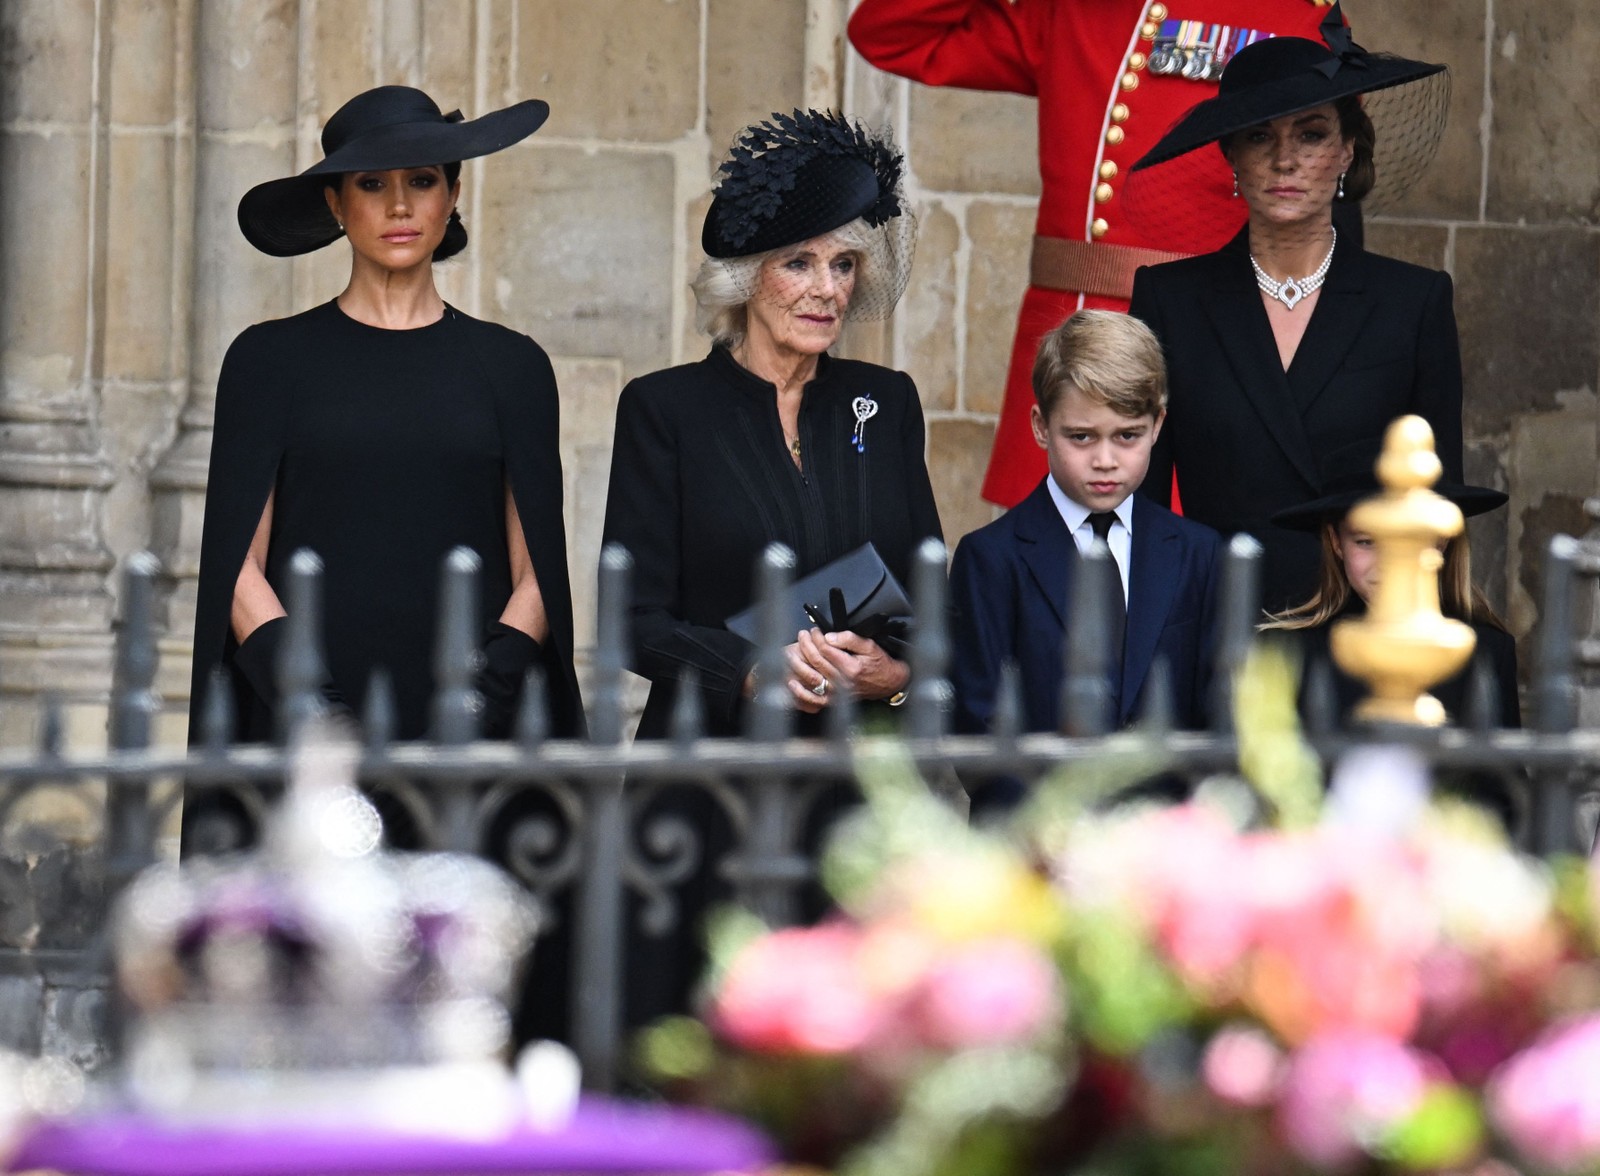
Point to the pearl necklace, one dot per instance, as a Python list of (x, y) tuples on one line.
[(1291, 290)]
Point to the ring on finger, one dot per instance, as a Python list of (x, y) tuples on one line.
[(820, 689)]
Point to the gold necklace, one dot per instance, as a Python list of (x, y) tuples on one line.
[(794, 446)]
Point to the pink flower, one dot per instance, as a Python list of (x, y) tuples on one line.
[(1546, 1100), (798, 991), (1344, 1093), (987, 992), (1243, 1065)]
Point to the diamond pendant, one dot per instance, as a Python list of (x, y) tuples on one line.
[(1290, 293)]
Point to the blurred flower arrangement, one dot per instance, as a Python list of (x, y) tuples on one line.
[(1251, 983)]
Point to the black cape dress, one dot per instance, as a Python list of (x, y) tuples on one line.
[(386, 449)]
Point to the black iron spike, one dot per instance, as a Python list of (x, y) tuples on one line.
[(1483, 697), (611, 644), (52, 726), (379, 719), (1556, 692), (1236, 624), (688, 709), (457, 705), (1556, 697), (1157, 714), (300, 666), (1322, 700), (216, 721), (533, 716), (1007, 722), (931, 693), (771, 716), (134, 703), (1086, 688), (840, 716)]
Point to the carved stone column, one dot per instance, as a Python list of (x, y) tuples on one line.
[(245, 90), (56, 615)]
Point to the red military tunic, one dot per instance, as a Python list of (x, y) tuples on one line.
[(1100, 110)]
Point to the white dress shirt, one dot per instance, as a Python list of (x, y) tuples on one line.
[(1119, 538)]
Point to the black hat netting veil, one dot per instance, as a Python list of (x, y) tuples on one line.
[(1186, 204), (813, 175)]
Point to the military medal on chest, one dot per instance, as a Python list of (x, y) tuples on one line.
[(1198, 50)]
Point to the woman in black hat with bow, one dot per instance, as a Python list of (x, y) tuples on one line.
[(767, 439), (381, 430), (1347, 579), (1292, 340)]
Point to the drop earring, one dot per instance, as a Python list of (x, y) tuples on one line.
[(1236, 185), (1339, 195)]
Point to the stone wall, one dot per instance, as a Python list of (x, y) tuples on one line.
[(129, 129)]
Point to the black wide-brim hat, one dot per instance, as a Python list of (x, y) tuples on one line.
[(799, 176), (1286, 75), (377, 130), (1350, 474)]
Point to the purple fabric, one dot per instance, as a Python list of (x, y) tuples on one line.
[(604, 1136)]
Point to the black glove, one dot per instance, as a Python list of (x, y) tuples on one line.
[(508, 655), (257, 659)]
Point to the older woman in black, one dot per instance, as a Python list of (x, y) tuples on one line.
[(1291, 340), (767, 439), (381, 430)]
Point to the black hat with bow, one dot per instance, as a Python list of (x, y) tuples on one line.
[(377, 130), (1286, 75)]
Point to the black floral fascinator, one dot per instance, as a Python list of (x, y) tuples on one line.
[(377, 130), (805, 174)]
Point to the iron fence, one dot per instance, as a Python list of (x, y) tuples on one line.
[(595, 847)]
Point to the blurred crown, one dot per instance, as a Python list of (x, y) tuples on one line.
[(318, 953)]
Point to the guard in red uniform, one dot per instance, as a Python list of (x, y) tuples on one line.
[(1111, 76)]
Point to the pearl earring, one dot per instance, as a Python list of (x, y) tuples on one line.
[(1235, 185), (1340, 193)]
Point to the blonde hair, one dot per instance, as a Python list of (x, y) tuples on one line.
[(1459, 597), (1112, 358), (724, 286)]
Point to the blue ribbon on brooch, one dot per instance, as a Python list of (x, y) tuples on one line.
[(1340, 43)]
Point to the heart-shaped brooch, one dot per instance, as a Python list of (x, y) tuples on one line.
[(865, 409)]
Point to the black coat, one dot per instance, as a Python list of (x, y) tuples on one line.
[(702, 482), (1245, 436)]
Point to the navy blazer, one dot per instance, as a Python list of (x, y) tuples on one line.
[(1248, 437), (1010, 584)]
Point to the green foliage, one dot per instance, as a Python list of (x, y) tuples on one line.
[(1273, 755), (1123, 995)]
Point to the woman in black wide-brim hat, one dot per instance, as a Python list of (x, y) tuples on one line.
[(1292, 340), (767, 439), (380, 430)]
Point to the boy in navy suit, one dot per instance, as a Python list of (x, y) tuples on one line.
[(1100, 390)]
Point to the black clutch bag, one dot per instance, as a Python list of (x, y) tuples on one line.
[(856, 593)]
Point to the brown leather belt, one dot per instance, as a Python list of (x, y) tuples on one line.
[(1090, 267)]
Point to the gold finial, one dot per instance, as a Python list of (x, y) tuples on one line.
[(1404, 644)]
